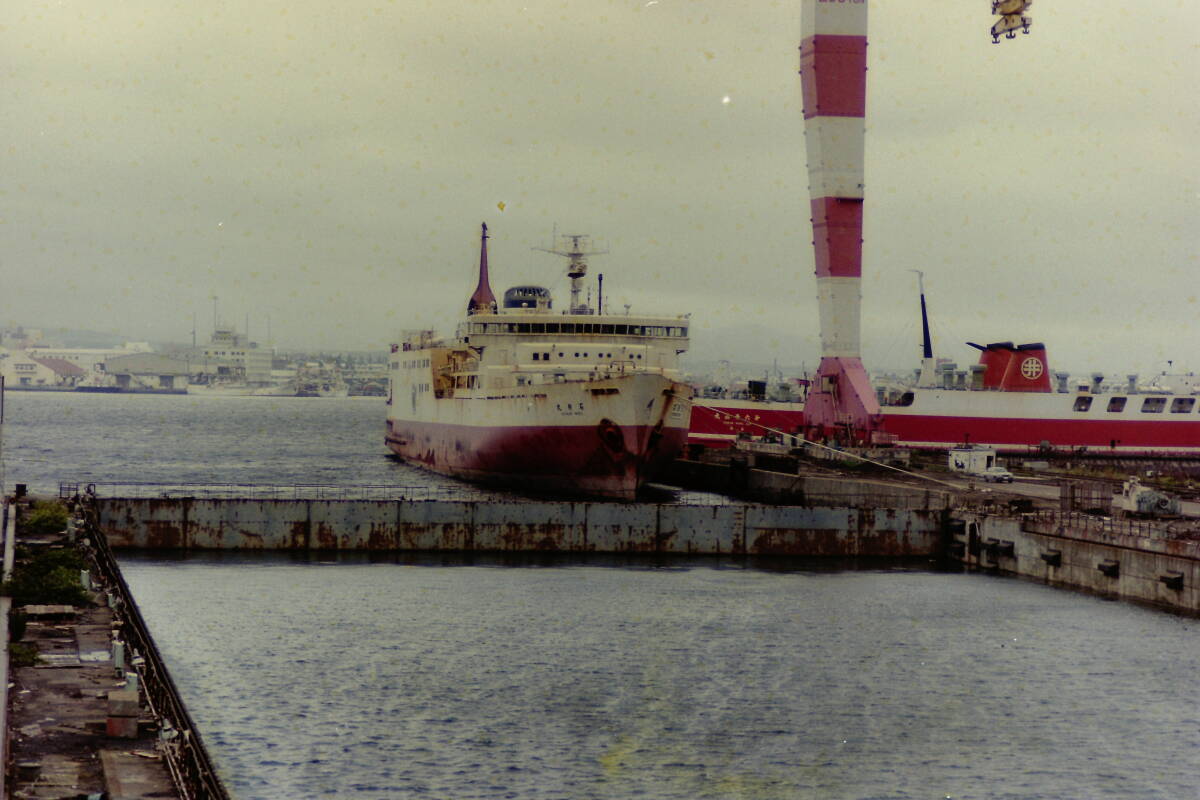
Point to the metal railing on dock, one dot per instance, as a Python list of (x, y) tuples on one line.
[(192, 771), (259, 491)]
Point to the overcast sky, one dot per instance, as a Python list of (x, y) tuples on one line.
[(327, 165)]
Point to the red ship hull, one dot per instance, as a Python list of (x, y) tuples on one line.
[(717, 423), (603, 460), (1015, 434)]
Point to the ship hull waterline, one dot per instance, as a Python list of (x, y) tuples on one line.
[(603, 438), (594, 461)]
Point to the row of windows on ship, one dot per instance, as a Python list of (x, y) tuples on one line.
[(414, 363), (1150, 405), (546, 356), (609, 328)]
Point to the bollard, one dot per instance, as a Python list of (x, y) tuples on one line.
[(85, 578), (118, 658)]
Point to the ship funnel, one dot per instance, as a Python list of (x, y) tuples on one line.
[(482, 301)]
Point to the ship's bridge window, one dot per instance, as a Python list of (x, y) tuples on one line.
[(1154, 405), (1083, 403), (1116, 404), (1182, 405)]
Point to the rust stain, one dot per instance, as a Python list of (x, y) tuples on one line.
[(163, 534), (412, 536), (535, 536), (326, 538), (379, 537), (298, 535), (829, 542)]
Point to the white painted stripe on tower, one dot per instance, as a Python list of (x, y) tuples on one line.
[(840, 303), (835, 148), (834, 17)]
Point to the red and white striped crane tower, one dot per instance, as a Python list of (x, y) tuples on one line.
[(841, 404)]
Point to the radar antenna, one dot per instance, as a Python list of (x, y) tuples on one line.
[(573, 247)]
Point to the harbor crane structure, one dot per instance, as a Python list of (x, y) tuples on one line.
[(841, 404)]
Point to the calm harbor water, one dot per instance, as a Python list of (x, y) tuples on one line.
[(696, 680), (64, 436), (440, 678)]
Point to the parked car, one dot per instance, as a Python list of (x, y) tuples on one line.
[(997, 475)]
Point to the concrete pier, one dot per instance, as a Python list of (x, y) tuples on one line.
[(93, 712), (534, 525), (56, 724), (1147, 562)]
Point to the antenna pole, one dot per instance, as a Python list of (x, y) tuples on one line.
[(576, 267)]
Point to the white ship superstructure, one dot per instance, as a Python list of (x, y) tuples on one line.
[(574, 401)]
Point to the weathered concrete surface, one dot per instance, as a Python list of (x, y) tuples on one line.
[(809, 490), (1070, 551), (58, 718), (465, 526)]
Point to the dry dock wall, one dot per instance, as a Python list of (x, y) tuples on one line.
[(783, 487), (1112, 559), (464, 526)]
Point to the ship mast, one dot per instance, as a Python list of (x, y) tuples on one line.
[(576, 266), (926, 377), (482, 301)]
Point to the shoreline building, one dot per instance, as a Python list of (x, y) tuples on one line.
[(230, 357)]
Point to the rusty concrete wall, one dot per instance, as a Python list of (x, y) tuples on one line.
[(1159, 571), (245, 524), (808, 490)]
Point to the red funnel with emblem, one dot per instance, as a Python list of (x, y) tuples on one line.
[(1014, 368)]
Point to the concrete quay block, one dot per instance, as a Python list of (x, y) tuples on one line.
[(123, 703)]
